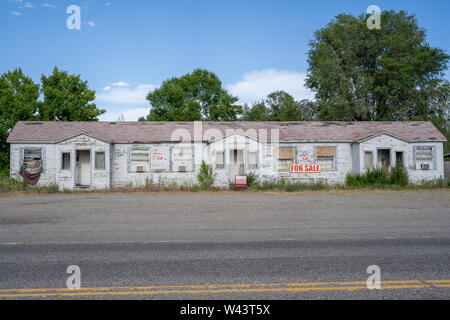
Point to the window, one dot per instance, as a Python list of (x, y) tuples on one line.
[(253, 160), (424, 157), (32, 157), (182, 158), (220, 160), (368, 160), (140, 160), (424, 153), (65, 161), (286, 157), (325, 157), (99, 161)]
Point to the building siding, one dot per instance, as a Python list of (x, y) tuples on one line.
[(349, 157)]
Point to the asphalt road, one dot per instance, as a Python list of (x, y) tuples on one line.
[(227, 245)]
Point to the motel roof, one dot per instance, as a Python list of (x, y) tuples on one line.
[(154, 132)]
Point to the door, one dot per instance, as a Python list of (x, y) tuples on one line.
[(236, 163), (384, 159), (83, 174), (399, 159)]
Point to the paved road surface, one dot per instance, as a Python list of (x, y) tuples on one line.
[(227, 245)]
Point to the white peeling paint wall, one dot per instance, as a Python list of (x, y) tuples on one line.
[(123, 176), (305, 153), (415, 173), (100, 179), (49, 161), (117, 173)]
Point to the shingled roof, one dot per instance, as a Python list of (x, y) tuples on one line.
[(149, 132)]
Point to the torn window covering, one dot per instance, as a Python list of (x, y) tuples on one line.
[(31, 171)]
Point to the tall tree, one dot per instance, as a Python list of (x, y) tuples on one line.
[(195, 96), (18, 101), (280, 106), (67, 98), (386, 74)]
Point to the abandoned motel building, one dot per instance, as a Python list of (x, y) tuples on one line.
[(102, 155)]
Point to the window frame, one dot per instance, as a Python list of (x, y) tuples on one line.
[(278, 159), (43, 156), (131, 161), (371, 159), (223, 160), (250, 165), (431, 161), (177, 160), (333, 160), (62, 168), (104, 160)]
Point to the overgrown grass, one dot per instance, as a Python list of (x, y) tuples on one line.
[(378, 178), (8, 184)]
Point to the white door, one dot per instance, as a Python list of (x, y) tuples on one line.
[(84, 167), (236, 164)]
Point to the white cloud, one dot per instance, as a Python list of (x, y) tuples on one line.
[(48, 5), (128, 114), (256, 85), (120, 84), (91, 23), (121, 93), (16, 13), (27, 5), (107, 4)]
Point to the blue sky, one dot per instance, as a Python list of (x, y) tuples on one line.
[(127, 47)]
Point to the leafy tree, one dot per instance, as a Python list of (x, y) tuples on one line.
[(280, 106), (386, 74), (195, 96), (67, 98), (18, 101), (256, 112)]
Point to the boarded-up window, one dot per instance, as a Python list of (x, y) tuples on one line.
[(424, 158), (368, 160), (286, 157), (140, 159), (32, 154), (181, 153), (252, 160), (325, 157), (182, 158), (100, 161), (424, 153), (220, 160), (65, 161)]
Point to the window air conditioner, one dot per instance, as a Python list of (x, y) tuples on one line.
[(140, 169), (425, 166)]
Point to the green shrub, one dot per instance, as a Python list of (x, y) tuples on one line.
[(377, 177), (399, 176), (206, 176), (251, 179)]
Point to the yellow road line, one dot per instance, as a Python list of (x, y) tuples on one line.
[(129, 293), (208, 289), (212, 286)]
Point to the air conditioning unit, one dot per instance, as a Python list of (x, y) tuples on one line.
[(425, 166), (182, 168), (140, 169)]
